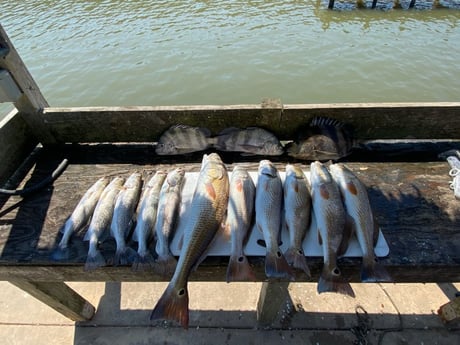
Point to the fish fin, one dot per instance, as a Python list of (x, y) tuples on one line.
[(276, 266), (320, 239), (143, 262), (210, 191), (376, 232), (61, 253), (96, 261), (332, 281), (166, 265), (87, 236), (239, 269), (374, 272), (349, 229), (173, 306), (296, 258), (323, 121), (124, 257)]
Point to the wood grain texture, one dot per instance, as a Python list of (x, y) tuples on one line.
[(146, 124), (416, 210)]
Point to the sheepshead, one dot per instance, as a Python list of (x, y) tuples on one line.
[(79, 217), (330, 219), (205, 216), (100, 222), (239, 217), (358, 207), (252, 141), (181, 139), (297, 204), (146, 217), (122, 219), (268, 205), (168, 213), (323, 139)]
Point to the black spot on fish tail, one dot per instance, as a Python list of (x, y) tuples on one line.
[(239, 269), (332, 281), (276, 266), (173, 306), (296, 258)]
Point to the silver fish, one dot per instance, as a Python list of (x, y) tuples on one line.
[(323, 139), (122, 219), (146, 217), (205, 216), (79, 217), (330, 219), (252, 140), (268, 205), (100, 222), (181, 139), (358, 207), (297, 205), (239, 217), (168, 212)]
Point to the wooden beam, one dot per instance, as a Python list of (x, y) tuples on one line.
[(60, 297), (31, 102)]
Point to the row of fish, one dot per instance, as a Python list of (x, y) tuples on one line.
[(322, 139)]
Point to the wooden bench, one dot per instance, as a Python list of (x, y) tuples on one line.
[(408, 184)]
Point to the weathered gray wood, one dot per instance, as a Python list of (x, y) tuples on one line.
[(273, 296), (146, 124), (16, 143), (32, 101), (60, 297)]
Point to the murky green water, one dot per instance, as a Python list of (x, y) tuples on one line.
[(85, 53)]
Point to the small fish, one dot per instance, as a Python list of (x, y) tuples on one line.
[(239, 217), (323, 139), (79, 217), (122, 219), (359, 209), (297, 204), (100, 222), (330, 218), (268, 205), (252, 141), (205, 217), (168, 212), (146, 218), (181, 139)]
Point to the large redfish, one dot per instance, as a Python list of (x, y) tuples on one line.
[(204, 217)]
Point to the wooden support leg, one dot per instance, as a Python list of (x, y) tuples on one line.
[(60, 297), (272, 297), (331, 4)]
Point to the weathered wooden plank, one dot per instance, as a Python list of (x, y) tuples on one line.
[(16, 142), (32, 101), (273, 296), (60, 297), (145, 124)]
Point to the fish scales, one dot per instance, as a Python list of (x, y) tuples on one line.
[(182, 139), (146, 218), (330, 219), (204, 217), (251, 140), (358, 207), (239, 218), (100, 222)]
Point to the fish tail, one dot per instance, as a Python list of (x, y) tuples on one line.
[(332, 281), (239, 269), (374, 272), (124, 256), (166, 265), (296, 258), (276, 266), (61, 253), (143, 262), (94, 261), (172, 305)]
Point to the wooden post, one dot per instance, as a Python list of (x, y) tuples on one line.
[(331, 4), (31, 102), (412, 3), (374, 3), (60, 297), (272, 297)]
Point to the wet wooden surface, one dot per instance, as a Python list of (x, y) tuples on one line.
[(416, 210)]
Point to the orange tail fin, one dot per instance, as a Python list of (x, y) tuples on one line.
[(239, 269), (173, 306)]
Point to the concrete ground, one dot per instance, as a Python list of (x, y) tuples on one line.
[(225, 314)]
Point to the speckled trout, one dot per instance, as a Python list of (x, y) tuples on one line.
[(358, 207), (204, 217), (330, 219)]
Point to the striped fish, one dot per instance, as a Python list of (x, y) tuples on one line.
[(324, 139), (181, 139)]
